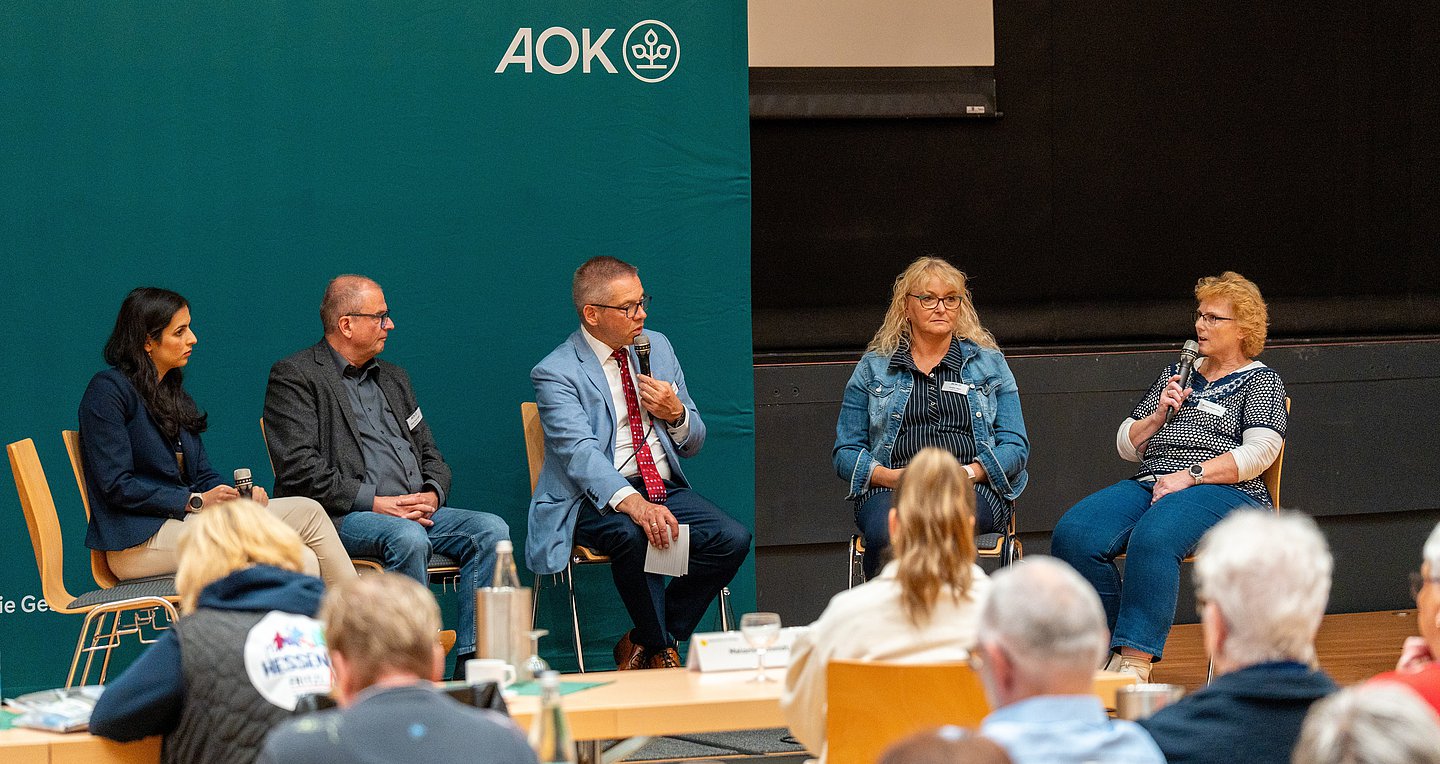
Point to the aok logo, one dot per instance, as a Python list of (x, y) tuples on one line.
[(650, 51)]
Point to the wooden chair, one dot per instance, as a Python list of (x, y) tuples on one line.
[(1005, 547), (579, 555), (131, 605), (443, 570), (871, 705)]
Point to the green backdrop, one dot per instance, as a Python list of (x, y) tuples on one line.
[(244, 153)]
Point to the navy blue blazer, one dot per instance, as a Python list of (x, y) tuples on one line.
[(131, 475)]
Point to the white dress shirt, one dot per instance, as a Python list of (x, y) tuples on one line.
[(625, 460)]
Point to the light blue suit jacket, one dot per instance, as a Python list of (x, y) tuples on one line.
[(578, 416)]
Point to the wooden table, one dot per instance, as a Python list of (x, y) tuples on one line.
[(634, 704), (22, 746)]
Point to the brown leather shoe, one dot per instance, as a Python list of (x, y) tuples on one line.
[(666, 658), (628, 655)]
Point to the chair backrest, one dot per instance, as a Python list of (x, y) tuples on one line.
[(105, 578), (871, 705), (534, 440), (1271, 475), (42, 521), (265, 439)]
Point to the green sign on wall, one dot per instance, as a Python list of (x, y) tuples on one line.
[(466, 155)]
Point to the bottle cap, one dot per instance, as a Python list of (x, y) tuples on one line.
[(549, 679), (504, 545)]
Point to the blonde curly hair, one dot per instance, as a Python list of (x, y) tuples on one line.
[(229, 537), (1251, 315), (896, 327)]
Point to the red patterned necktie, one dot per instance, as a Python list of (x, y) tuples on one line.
[(654, 486)]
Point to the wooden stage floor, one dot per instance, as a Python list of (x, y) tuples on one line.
[(1352, 647)]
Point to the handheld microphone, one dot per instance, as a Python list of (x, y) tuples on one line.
[(1188, 353), (243, 483), (642, 352)]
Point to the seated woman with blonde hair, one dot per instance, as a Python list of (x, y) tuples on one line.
[(923, 606), (243, 652)]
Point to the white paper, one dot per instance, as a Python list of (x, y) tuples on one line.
[(674, 561)]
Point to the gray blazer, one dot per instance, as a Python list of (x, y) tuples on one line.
[(313, 440)]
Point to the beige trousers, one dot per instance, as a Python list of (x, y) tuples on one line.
[(324, 555)]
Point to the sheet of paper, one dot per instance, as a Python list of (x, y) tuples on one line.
[(674, 561)]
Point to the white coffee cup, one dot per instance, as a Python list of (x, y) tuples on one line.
[(481, 670)]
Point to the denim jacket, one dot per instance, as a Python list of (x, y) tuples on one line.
[(874, 406)]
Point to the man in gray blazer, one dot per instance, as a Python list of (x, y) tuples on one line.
[(344, 428), (612, 479)]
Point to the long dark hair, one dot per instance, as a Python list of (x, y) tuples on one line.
[(145, 314)]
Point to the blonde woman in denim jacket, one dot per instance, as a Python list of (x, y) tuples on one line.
[(932, 376)]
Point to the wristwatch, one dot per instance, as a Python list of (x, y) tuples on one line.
[(1197, 473), (196, 502), (677, 421)]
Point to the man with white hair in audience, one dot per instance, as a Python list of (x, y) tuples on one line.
[(1262, 581), (1371, 723), (1041, 636), (1418, 667)]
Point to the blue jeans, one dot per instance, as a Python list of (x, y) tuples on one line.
[(663, 613), (404, 546), (1154, 537), (872, 517)]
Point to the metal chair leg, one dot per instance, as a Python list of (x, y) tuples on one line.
[(857, 560), (575, 617), (727, 618)]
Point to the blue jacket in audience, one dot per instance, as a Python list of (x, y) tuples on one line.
[(1251, 715)]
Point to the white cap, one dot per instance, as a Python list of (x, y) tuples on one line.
[(549, 679), (504, 545)]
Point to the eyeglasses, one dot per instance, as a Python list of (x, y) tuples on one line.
[(1211, 319), (1418, 581), (382, 316), (630, 309), (929, 301)]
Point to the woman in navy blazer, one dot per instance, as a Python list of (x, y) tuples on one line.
[(145, 466)]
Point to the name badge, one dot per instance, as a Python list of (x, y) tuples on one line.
[(955, 387), (1211, 407), (414, 419)]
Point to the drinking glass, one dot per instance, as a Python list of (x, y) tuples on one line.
[(534, 665), (760, 630)]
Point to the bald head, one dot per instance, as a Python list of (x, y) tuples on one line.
[(345, 294)]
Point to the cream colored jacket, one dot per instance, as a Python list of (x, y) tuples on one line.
[(867, 623)]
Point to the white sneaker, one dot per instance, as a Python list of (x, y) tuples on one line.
[(1127, 664)]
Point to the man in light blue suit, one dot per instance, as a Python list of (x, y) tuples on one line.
[(612, 481)]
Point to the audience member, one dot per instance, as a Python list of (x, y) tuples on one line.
[(1369, 724), (1042, 633), (242, 654), (945, 745), (146, 470), (922, 607), (1418, 667), (1262, 580), (381, 631), (614, 438), (345, 428)]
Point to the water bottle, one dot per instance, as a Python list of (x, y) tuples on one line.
[(503, 615), (550, 731)]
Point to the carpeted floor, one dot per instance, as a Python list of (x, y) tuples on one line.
[(724, 746)]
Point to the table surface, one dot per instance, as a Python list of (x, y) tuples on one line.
[(632, 704)]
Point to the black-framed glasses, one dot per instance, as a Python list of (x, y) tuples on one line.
[(929, 301), (382, 316), (1418, 581), (630, 309), (1211, 319)]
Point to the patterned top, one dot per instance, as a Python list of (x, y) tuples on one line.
[(1212, 420), (938, 412)]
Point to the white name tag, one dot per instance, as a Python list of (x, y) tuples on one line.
[(414, 419), (1210, 407), (728, 650), (955, 387)]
